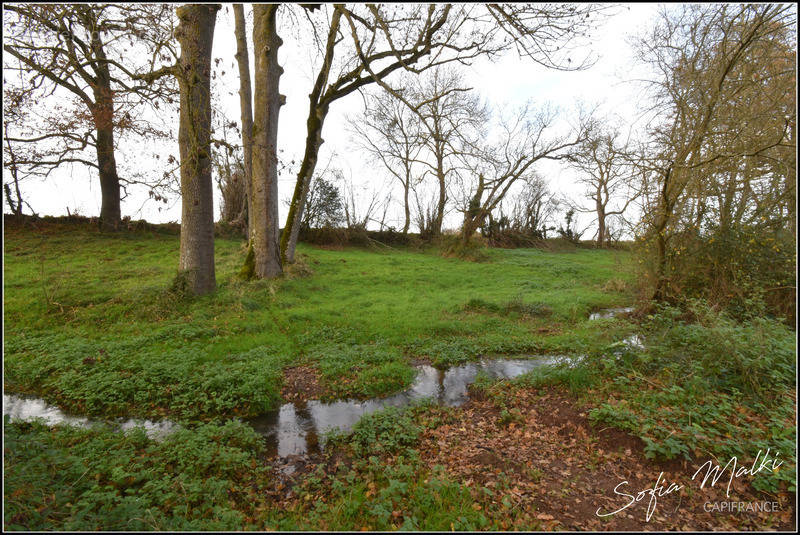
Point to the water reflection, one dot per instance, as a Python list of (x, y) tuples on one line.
[(299, 428), (609, 313), (634, 341), (27, 408)]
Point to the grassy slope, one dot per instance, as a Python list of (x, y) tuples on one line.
[(89, 323)]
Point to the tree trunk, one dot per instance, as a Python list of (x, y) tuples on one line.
[(195, 34), (110, 212), (407, 223), (437, 222), (468, 229), (662, 220), (601, 225), (246, 103), (473, 217), (291, 231), (103, 115), (12, 166), (318, 110), (268, 102)]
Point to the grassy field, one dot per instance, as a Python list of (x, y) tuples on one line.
[(92, 325)]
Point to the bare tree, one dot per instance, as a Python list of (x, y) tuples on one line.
[(425, 214), (525, 138), (355, 217), (534, 207), (390, 133), (231, 183), (604, 167), (696, 53), (526, 216), (428, 129), (228, 164), (384, 39), (15, 110), (452, 118), (84, 50)]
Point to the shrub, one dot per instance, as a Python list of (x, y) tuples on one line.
[(746, 270), (704, 385), (752, 357), (474, 250), (390, 430)]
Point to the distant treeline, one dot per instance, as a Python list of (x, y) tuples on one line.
[(326, 236)]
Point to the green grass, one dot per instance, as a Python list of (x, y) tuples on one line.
[(68, 478), (387, 487), (709, 386), (90, 324)]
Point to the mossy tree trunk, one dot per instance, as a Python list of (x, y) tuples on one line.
[(246, 103), (314, 141), (319, 104), (663, 213), (267, 103), (475, 213), (195, 35)]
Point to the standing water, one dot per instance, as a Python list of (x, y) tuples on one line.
[(299, 428), (609, 313), (26, 408)]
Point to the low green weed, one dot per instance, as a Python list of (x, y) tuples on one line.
[(68, 478)]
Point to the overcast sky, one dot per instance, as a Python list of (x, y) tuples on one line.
[(509, 81)]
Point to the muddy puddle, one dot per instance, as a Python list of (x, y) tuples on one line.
[(299, 428), (609, 313), (634, 341), (26, 408)]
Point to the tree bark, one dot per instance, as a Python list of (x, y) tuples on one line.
[(473, 216), (246, 103), (195, 34), (103, 115), (440, 175), (291, 231), (406, 206), (268, 101), (110, 211), (601, 220), (662, 219), (469, 228)]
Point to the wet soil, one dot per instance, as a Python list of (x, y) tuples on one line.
[(303, 383), (558, 470)]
